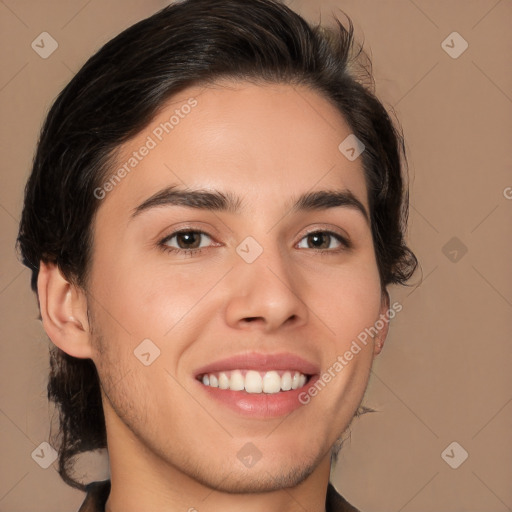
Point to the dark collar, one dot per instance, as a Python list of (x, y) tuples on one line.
[(97, 494)]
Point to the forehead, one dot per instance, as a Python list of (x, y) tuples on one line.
[(266, 142)]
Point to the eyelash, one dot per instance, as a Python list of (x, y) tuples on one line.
[(197, 251)]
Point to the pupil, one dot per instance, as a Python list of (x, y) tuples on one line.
[(189, 240), (318, 240)]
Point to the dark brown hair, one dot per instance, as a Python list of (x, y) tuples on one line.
[(118, 92)]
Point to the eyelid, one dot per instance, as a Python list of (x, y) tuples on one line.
[(331, 230), (184, 230), (178, 231), (180, 227)]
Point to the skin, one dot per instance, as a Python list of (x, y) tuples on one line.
[(172, 447)]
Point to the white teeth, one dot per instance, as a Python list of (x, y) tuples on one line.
[(254, 381), (237, 381), (286, 381), (223, 381), (271, 382), (295, 380)]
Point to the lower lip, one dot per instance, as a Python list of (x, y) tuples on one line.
[(260, 405)]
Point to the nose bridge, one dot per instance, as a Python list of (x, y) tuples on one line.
[(264, 289)]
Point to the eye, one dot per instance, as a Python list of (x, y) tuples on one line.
[(191, 242), (186, 241), (323, 240)]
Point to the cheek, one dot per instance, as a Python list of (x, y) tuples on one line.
[(348, 306), (348, 299), (145, 299)]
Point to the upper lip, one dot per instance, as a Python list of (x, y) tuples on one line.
[(261, 362)]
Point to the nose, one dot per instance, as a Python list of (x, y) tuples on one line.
[(265, 295)]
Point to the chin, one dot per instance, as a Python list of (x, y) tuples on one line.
[(260, 478)]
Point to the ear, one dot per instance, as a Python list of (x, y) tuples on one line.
[(380, 338), (63, 312)]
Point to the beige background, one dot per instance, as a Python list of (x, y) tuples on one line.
[(444, 374)]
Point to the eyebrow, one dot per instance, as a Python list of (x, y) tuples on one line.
[(228, 202)]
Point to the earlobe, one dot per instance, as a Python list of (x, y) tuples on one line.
[(382, 324), (63, 312)]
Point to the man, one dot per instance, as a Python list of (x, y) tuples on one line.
[(215, 211)]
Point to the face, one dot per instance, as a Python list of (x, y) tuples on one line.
[(234, 252)]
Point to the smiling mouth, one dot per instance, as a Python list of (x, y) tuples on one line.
[(252, 381)]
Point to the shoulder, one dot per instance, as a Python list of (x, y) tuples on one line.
[(336, 503), (97, 494)]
